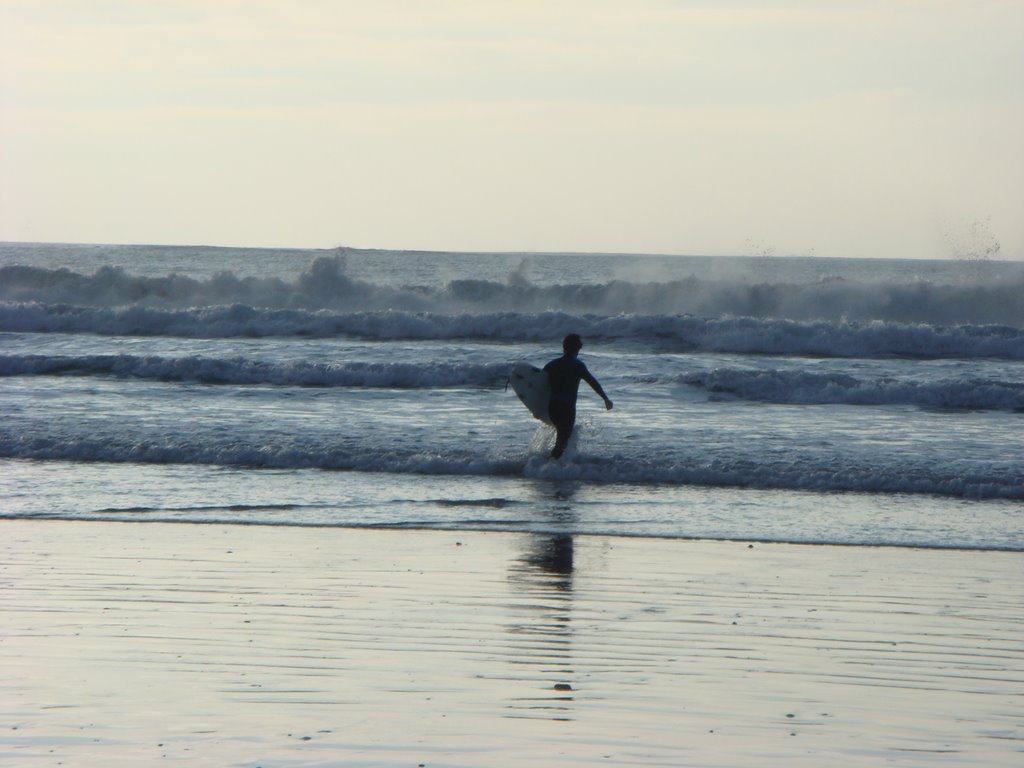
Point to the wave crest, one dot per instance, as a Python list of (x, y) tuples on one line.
[(238, 370), (672, 332), (804, 388)]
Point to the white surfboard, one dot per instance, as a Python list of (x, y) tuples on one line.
[(532, 387)]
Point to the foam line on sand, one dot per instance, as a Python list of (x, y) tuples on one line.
[(125, 644)]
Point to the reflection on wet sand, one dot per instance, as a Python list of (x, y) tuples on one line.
[(543, 576)]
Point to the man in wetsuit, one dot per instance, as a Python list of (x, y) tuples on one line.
[(564, 374)]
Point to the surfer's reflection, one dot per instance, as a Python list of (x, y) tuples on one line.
[(551, 556), (543, 575)]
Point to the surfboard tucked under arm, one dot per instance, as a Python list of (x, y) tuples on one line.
[(532, 387)]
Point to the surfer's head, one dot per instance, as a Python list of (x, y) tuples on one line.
[(572, 344)]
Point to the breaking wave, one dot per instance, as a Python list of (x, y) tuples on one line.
[(208, 370), (674, 332), (803, 388)]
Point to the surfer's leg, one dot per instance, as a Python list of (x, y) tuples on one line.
[(564, 419), (561, 441)]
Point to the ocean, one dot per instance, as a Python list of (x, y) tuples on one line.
[(805, 400)]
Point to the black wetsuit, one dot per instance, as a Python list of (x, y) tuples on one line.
[(565, 374)]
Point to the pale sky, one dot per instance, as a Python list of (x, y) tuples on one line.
[(881, 128)]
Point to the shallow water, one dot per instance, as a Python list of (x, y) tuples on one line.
[(803, 400)]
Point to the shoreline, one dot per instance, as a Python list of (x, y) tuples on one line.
[(453, 529), (280, 645)]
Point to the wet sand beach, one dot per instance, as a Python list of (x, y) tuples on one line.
[(134, 644)]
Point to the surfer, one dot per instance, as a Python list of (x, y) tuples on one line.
[(564, 374)]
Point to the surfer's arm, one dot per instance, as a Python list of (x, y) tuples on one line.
[(596, 386)]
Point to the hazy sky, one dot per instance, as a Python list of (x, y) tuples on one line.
[(847, 128)]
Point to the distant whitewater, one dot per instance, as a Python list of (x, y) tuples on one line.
[(835, 317), (326, 285)]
